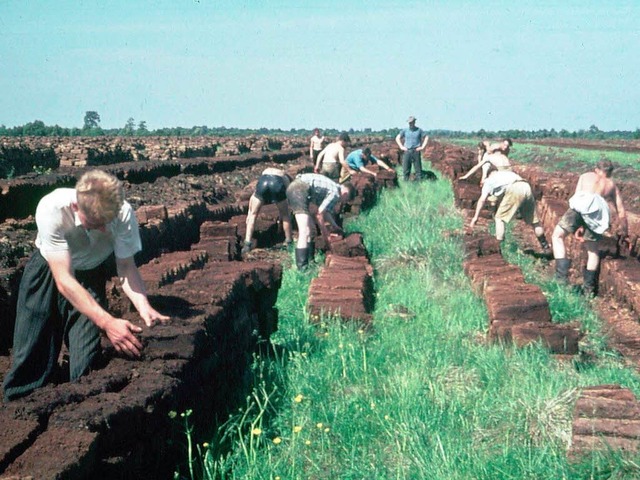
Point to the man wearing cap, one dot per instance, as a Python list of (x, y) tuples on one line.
[(332, 158), (357, 161), (412, 141), (62, 294)]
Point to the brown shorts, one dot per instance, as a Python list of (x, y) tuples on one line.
[(572, 221), (298, 197), (518, 196), (331, 170)]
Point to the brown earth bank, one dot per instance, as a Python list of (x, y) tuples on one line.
[(114, 422)]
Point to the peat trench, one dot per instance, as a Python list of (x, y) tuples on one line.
[(114, 422), (605, 416)]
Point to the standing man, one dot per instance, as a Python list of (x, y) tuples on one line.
[(332, 158), (327, 195), (357, 160), (412, 141), (315, 145), (516, 195), (588, 217), (271, 188), (62, 292)]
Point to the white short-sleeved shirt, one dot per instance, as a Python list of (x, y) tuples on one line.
[(60, 229)]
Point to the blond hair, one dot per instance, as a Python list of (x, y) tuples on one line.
[(100, 196)]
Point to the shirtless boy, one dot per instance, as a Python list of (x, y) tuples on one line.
[(589, 212)]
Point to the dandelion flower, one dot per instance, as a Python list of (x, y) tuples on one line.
[(297, 429), (255, 432), (319, 425), (277, 441), (298, 398), (307, 442), (326, 430), (205, 445)]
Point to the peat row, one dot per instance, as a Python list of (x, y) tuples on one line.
[(344, 286), (518, 312), (115, 422), (605, 416)]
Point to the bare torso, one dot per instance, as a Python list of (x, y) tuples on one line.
[(592, 182)]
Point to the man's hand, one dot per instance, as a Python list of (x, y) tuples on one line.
[(151, 316), (474, 220), (121, 335), (579, 234)]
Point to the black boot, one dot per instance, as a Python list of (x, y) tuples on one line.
[(590, 280), (312, 251), (302, 258), (546, 248), (562, 269)]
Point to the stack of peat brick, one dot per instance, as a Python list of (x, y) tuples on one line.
[(518, 311), (344, 286), (606, 417)]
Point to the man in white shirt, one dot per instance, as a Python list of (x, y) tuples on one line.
[(62, 292)]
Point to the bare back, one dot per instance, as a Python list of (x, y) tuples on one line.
[(600, 184)]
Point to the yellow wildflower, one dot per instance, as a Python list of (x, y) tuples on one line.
[(298, 398), (277, 440), (256, 431), (319, 425), (297, 429)]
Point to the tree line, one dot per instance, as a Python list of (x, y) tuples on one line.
[(91, 128)]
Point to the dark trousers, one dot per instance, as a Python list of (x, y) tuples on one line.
[(44, 319), (409, 158)]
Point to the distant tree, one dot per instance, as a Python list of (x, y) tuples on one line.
[(142, 128), (36, 128), (129, 127), (91, 120), (636, 134)]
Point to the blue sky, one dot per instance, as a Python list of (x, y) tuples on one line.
[(457, 64)]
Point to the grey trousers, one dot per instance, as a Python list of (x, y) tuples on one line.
[(411, 158), (44, 319)]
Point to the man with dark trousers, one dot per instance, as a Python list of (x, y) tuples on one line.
[(62, 293), (412, 141)]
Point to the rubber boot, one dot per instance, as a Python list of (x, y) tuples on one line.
[(590, 278), (246, 248), (312, 251), (562, 269), (302, 258), (546, 248)]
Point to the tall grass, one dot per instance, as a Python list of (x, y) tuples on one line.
[(421, 395), (561, 158)]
